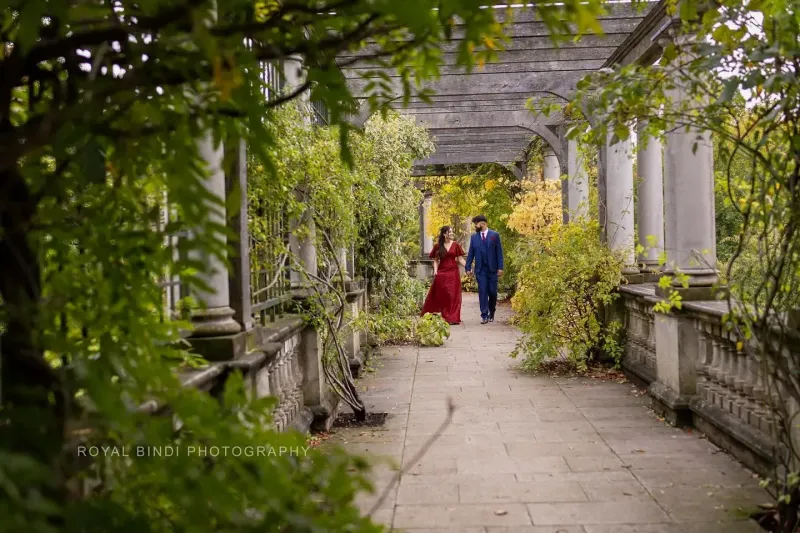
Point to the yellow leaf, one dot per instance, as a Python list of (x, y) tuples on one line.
[(739, 346), (226, 78)]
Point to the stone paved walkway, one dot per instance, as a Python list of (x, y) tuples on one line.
[(528, 454)]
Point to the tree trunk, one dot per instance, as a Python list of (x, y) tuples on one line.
[(32, 416), (359, 414)]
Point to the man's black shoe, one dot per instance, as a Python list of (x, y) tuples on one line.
[(484, 321), (491, 319)]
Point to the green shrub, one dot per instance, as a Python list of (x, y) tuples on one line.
[(566, 278), (432, 330)]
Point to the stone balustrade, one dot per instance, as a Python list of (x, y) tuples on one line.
[(728, 378), (698, 374), (640, 342)]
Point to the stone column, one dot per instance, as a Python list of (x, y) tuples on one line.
[(552, 170), (302, 241), (619, 202), (215, 318), (577, 183), (351, 261), (304, 245), (689, 226), (239, 281), (650, 208), (342, 260), (425, 212), (468, 230)]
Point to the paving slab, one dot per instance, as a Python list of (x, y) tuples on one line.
[(533, 454)]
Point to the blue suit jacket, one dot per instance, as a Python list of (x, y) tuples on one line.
[(490, 256)]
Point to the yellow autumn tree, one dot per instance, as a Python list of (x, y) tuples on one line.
[(538, 208)]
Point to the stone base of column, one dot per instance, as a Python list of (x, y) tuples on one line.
[(303, 292), (651, 271), (674, 407), (214, 322), (632, 275), (695, 294), (220, 348)]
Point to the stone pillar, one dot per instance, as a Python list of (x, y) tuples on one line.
[(677, 353), (302, 241), (577, 182), (552, 170), (342, 263), (425, 236), (239, 281), (468, 231), (602, 189), (619, 202), (351, 261), (314, 387), (215, 318), (689, 226), (650, 208)]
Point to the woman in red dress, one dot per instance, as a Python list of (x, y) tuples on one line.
[(444, 295)]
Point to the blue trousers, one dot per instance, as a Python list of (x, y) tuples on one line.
[(487, 292)]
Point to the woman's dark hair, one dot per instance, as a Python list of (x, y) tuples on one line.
[(442, 250)]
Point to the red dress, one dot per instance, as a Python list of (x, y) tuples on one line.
[(444, 295)]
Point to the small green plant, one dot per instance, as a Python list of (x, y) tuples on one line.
[(432, 330)]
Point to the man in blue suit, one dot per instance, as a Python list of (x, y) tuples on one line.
[(487, 251)]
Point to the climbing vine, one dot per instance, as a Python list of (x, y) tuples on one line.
[(363, 209)]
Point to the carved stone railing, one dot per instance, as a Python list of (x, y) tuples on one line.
[(640, 339), (728, 378), (282, 375), (706, 379)]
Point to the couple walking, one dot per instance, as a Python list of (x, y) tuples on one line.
[(486, 250)]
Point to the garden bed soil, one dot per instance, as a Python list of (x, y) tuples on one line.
[(348, 420)]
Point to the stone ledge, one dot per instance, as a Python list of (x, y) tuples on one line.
[(641, 374), (356, 364), (353, 295), (673, 406), (222, 348), (640, 291), (278, 331), (325, 415), (202, 378), (694, 294), (302, 422), (747, 444)]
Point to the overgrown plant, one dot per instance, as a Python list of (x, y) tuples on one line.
[(338, 207), (432, 330), (735, 68), (101, 109), (567, 278)]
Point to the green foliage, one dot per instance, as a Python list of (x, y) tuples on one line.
[(566, 278), (386, 200), (102, 109), (753, 112), (432, 330), (490, 190)]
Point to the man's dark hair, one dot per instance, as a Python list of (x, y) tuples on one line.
[(479, 218)]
